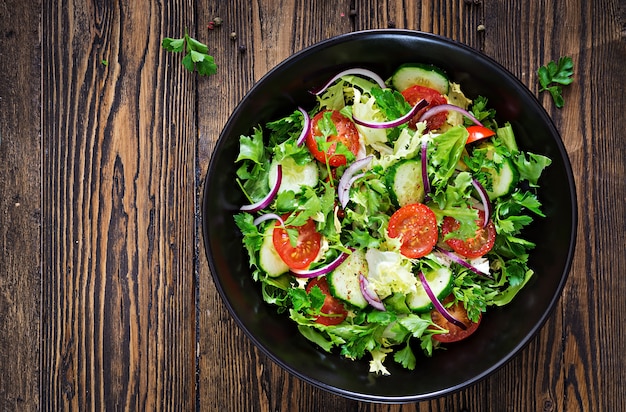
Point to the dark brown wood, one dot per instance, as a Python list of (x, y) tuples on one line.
[(106, 300), (118, 235), (20, 205)]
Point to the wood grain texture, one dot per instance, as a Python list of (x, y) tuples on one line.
[(118, 199), (19, 205), (580, 356), (106, 300)]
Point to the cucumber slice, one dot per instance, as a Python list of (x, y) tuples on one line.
[(343, 282), (404, 182), (503, 181), (411, 74), (440, 282), (294, 175), (269, 260)]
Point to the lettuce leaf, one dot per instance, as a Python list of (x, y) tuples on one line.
[(251, 147), (444, 153), (530, 166), (365, 108), (389, 272)]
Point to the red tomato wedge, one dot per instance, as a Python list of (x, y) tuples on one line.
[(477, 133), (347, 134), (307, 246), (473, 247), (333, 308), (455, 333), (416, 224), (416, 93)]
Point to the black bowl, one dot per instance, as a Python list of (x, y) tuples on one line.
[(504, 331)]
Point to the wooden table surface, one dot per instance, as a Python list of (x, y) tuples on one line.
[(106, 300)]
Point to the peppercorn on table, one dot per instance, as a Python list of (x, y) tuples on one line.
[(106, 298)]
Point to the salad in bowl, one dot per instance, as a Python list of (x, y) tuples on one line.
[(389, 218)]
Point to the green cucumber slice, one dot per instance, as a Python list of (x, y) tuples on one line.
[(294, 175), (404, 182), (412, 74), (343, 282), (503, 181), (440, 282), (269, 260)]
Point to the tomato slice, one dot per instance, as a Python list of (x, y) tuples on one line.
[(417, 226), (478, 133), (455, 333), (416, 93), (473, 247), (334, 310), (347, 134), (307, 246)]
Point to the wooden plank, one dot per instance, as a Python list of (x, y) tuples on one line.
[(118, 318), (567, 355), (19, 205), (97, 205)]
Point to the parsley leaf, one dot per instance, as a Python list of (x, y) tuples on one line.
[(391, 102), (197, 54), (327, 126), (251, 147), (554, 75), (482, 112), (405, 357)]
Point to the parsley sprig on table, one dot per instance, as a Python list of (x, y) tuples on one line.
[(196, 54), (554, 75)]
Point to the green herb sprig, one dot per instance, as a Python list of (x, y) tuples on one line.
[(555, 75), (196, 54)]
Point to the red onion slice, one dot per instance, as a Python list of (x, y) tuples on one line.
[(305, 127), (305, 273), (371, 297), (438, 305), (392, 123), (348, 178), (484, 198), (346, 197), (263, 203), (357, 71), (447, 107), (425, 181), (457, 259), (268, 216)]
